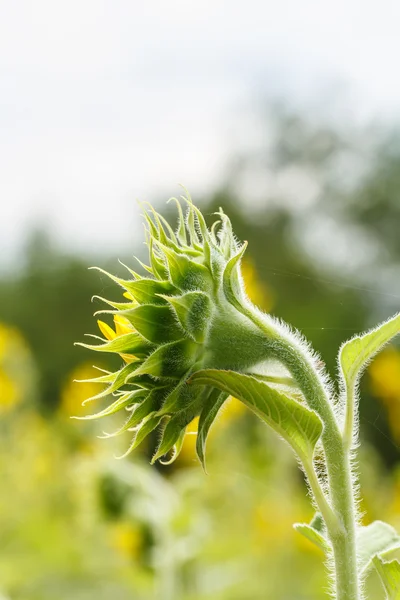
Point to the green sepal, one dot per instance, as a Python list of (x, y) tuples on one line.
[(147, 291), (194, 238), (213, 231), (155, 323), (108, 378), (144, 266), (181, 229), (297, 424), (172, 237), (121, 282), (130, 271), (150, 404), (170, 360), (116, 305), (185, 273), (153, 231), (176, 449), (227, 242), (193, 310), (203, 230), (158, 232), (389, 573), (128, 343), (180, 398), (207, 417), (146, 382), (122, 402), (158, 267), (161, 235), (231, 280), (315, 532), (148, 426), (116, 380), (173, 434), (143, 289), (134, 415)]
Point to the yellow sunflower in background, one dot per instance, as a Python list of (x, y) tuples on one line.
[(384, 375), (17, 371), (72, 395)]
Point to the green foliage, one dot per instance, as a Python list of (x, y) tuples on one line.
[(298, 425), (389, 572), (315, 532), (218, 336), (356, 353), (327, 306), (378, 538)]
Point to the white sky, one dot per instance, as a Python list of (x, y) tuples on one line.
[(103, 102)]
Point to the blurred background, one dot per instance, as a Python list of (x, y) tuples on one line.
[(286, 115)]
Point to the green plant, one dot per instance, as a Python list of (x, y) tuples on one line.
[(190, 338)]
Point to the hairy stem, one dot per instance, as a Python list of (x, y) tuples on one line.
[(342, 529), (348, 430), (338, 468), (324, 507)]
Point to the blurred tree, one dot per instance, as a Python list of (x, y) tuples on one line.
[(49, 301)]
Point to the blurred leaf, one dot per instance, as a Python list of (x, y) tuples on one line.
[(389, 572), (376, 538)]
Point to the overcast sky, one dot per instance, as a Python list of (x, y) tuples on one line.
[(103, 102)]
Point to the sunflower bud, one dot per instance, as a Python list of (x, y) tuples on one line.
[(189, 314)]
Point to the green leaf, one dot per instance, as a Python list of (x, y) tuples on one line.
[(207, 418), (314, 532), (355, 354), (193, 310), (297, 424), (389, 572), (376, 538), (155, 323)]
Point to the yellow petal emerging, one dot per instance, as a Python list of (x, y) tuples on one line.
[(106, 330), (122, 325)]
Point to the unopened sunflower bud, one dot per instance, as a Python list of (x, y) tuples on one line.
[(189, 314)]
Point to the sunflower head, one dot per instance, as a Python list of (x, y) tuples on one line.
[(187, 314)]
